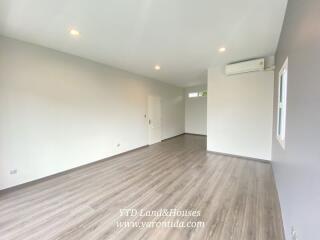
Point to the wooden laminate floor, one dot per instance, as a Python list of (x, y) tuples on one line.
[(236, 198)]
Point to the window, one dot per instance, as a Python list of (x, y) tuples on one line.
[(193, 95), (282, 104), (197, 94), (203, 94)]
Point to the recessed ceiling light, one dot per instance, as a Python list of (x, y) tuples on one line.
[(74, 32), (222, 49), (157, 67)]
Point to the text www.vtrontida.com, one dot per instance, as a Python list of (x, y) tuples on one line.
[(161, 224)]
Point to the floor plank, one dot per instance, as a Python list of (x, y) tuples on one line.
[(236, 198)]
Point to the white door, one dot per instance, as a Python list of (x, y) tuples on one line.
[(154, 119)]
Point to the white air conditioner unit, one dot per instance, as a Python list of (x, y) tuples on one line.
[(244, 67)]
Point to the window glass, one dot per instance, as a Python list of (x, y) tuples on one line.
[(203, 94), (197, 94), (193, 95)]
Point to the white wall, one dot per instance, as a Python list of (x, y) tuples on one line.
[(240, 113), (196, 111), (59, 111)]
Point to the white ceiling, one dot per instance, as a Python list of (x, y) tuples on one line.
[(180, 35)]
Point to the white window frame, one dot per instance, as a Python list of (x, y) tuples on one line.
[(282, 104)]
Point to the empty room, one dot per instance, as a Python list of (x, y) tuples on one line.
[(158, 119)]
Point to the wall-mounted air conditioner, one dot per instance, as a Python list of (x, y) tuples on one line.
[(244, 67)]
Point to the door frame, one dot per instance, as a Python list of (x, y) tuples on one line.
[(154, 110)]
